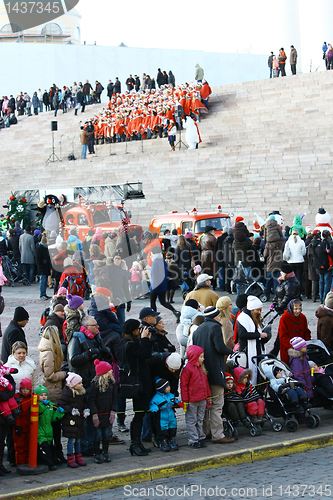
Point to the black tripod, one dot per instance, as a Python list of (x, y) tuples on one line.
[(53, 157), (180, 142)]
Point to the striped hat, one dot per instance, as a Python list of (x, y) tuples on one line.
[(211, 312), (298, 343)]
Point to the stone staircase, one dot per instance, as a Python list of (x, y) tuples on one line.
[(266, 146)]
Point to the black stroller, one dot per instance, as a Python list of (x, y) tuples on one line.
[(323, 386), (279, 406), (12, 271), (251, 286)]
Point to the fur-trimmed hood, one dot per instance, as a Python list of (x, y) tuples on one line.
[(240, 373), (323, 311), (99, 263), (73, 313), (293, 353)]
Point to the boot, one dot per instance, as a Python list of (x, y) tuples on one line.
[(305, 403), (60, 456), (75, 112), (97, 453), (106, 450), (254, 419), (10, 420), (165, 445), (136, 450), (173, 445), (79, 460), (71, 461), (177, 314), (143, 448)]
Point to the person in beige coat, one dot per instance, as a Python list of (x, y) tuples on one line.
[(51, 360), (202, 292)]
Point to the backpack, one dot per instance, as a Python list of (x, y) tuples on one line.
[(75, 284), (72, 246), (44, 316)]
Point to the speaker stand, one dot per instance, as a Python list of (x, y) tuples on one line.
[(180, 142), (53, 157)]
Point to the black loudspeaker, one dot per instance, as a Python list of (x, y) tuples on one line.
[(54, 126), (179, 110)]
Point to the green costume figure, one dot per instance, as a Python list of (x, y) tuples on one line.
[(298, 226)]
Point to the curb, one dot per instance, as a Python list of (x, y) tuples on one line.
[(111, 481)]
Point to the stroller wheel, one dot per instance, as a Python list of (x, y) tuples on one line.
[(317, 420), (253, 431), (258, 430), (276, 426), (311, 421), (263, 297), (291, 425)]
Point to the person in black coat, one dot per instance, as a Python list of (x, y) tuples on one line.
[(13, 245), (172, 81), (84, 347), (209, 337), (165, 80), (287, 289), (14, 332), (102, 402), (137, 83), (44, 266), (3, 243), (80, 100), (159, 78), (57, 319), (117, 86), (109, 89), (218, 250), (183, 256), (136, 354), (228, 260)]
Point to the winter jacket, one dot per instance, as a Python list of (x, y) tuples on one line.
[(51, 380), (228, 254), (43, 260), (318, 250), (244, 334), (72, 322), (325, 326), (199, 72), (47, 414), (194, 384), (207, 246), (183, 258), (12, 334), (244, 252), (227, 332), (27, 248), (247, 391), (23, 420), (288, 382), (203, 294), (298, 226), (164, 403), (272, 231), (323, 385), (286, 290), (241, 232), (106, 319), (73, 242), (13, 244), (76, 285), (159, 274), (136, 353), (82, 351), (195, 252), (301, 370), (291, 326), (26, 369), (294, 252), (102, 403), (293, 56), (73, 426), (219, 249), (159, 368), (119, 286), (209, 337), (3, 245), (58, 322), (186, 318), (159, 341)]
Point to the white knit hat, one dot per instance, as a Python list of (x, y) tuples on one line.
[(174, 361), (253, 303)]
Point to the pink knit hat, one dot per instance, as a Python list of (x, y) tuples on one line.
[(298, 343), (73, 379), (102, 367), (62, 290)]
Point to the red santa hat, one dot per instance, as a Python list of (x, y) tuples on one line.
[(239, 219)]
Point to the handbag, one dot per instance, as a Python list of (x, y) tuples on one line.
[(129, 385)]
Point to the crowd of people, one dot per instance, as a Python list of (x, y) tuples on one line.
[(277, 64)]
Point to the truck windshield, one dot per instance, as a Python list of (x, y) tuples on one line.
[(217, 222), (116, 215), (101, 216)]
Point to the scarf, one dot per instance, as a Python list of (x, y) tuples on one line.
[(290, 275), (87, 333)]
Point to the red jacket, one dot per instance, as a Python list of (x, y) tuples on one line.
[(291, 326), (194, 384)]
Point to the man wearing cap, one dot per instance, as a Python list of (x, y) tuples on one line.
[(202, 292), (207, 245), (209, 337), (14, 332)]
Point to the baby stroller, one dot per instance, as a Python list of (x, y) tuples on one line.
[(318, 352), (323, 391), (11, 270), (251, 286), (279, 405), (186, 285)]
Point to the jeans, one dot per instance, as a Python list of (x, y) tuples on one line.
[(221, 279), (86, 99), (296, 394), (84, 151), (102, 433), (325, 284), (72, 444), (121, 408), (146, 428), (42, 285), (29, 271), (121, 314), (270, 71)]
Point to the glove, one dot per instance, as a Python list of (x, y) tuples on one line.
[(86, 412), (95, 420), (112, 417), (105, 351), (46, 402), (181, 404), (13, 370), (208, 404), (60, 410), (129, 305), (271, 307), (93, 353), (75, 412), (9, 387), (18, 430)]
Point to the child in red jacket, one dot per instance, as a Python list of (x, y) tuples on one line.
[(21, 431), (195, 390)]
